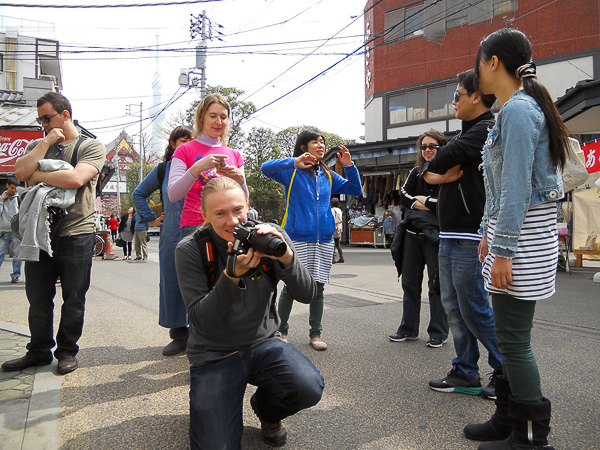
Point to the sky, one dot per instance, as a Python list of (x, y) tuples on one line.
[(267, 48)]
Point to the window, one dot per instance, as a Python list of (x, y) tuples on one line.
[(439, 101), (456, 13), (413, 24), (504, 6), (408, 107), (394, 26)]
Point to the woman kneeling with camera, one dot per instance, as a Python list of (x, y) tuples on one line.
[(234, 322)]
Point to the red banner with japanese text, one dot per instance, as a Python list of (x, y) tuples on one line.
[(591, 152), (12, 147)]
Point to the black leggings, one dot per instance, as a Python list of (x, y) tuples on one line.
[(127, 249)]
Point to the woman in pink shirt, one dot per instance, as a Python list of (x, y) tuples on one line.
[(194, 164)]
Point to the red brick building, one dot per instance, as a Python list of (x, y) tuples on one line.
[(417, 47)]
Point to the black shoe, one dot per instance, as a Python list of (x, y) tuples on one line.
[(457, 382), (397, 337), (26, 361), (175, 347), (436, 343), (273, 434), (14, 280), (67, 364), (137, 258), (489, 391)]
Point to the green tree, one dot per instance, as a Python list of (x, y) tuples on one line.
[(133, 180), (265, 194), (240, 110), (286, 139)]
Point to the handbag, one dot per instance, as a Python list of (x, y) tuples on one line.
[(574, 172), (120, 242)]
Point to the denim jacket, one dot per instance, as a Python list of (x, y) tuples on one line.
[(518, 172)]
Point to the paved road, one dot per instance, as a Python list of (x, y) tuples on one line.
[(126, 395)]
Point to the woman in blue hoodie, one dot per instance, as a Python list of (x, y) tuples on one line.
[(308, 220)]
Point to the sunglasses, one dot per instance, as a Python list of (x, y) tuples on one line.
[(457, 96), (430, 147), (46, 118)]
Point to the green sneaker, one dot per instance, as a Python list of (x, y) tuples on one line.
[(457, 382)]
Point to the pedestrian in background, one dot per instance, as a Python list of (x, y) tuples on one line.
[(127, 231), (195, 163), (140, 238), (337, 234), (9, 206), (308, 220), (522, 160), (171, 309), (113, 225), (420, 246)]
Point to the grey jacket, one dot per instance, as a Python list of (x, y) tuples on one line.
[(232, 316), (8, 208), (34, 227)]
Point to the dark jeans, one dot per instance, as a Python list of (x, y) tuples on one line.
[(113, 235), (418, 252), (287, 383), (467, 305), (72, 262)]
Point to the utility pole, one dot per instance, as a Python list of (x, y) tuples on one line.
[(141, 149), (200, 25), (117, 167)]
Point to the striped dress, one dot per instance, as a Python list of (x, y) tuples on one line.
[(316, 257), (534, 265)]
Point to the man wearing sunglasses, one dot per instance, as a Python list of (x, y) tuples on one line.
[(460, 207), (71, 258)]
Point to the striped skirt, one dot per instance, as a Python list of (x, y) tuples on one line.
[(316, 257), (534, 265)]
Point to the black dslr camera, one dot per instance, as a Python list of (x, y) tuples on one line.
[(246, 237)]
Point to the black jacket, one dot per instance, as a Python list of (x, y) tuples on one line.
[(123, 223), (460, 203)]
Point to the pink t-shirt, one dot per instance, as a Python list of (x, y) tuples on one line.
[(189, 153)]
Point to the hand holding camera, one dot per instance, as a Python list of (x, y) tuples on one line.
[(254, 240)]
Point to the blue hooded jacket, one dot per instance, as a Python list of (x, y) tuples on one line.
[(308, 216)]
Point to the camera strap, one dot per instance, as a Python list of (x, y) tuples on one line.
[(230, 268)]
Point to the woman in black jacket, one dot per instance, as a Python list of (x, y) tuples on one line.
[(126, 231), (420, 248)]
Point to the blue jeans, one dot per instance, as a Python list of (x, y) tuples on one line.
[(6, 237), (287, 383), (467, 305), (418, 252), (72, 262)]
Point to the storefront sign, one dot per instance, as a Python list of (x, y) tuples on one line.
[(591, 151), (12, 147)]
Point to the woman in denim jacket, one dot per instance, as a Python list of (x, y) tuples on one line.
[(522, 160)]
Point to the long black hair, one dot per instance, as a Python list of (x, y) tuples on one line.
[(177, 133), (513, 48), (303, 139)]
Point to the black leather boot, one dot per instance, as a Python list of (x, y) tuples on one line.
[(179, 342), (499, 426), (531, 427)]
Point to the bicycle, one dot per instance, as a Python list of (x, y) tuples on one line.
[(99, 246)]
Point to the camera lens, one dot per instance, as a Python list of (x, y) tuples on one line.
[(268, 244)]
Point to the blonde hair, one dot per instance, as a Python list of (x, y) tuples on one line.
[(218, 184), (203, 108)]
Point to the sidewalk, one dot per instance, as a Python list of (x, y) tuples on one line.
[(29, 399)]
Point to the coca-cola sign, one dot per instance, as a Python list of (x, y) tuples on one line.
[(12, 147)]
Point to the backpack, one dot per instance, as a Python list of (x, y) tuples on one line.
[(105, 173), (209, 259), (161, 171)]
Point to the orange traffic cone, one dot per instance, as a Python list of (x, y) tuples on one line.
[(109, 252)]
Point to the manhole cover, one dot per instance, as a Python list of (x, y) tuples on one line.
[(343, 275), (347, 301)]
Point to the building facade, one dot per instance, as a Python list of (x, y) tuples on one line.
[(415, 49)]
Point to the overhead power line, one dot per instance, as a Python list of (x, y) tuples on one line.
[(133, 5)]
